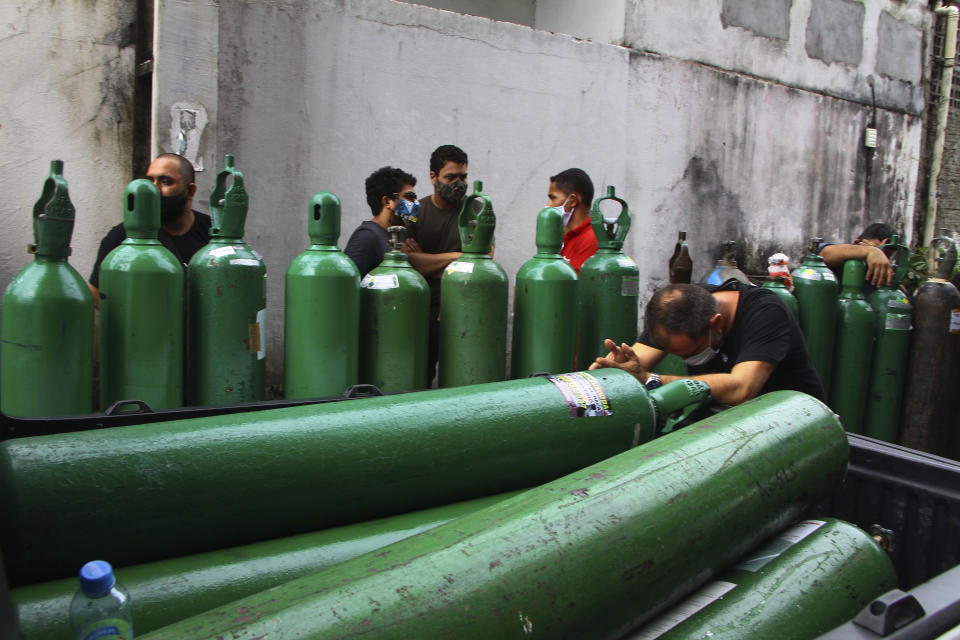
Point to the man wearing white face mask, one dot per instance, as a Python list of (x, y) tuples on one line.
[(741, 340), (571, 193)]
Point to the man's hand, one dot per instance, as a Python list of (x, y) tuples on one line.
[(879, 269), (622, 357), (411, 246)]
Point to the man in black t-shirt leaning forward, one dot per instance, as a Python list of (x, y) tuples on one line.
[(741, 340), (182, 230)]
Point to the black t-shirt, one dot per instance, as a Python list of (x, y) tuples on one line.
[(367, 245), (764, 330), (436, 231), (182, 247)]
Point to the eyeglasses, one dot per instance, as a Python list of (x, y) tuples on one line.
[(409, 195)]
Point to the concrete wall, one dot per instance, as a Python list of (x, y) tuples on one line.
[(728, 123), (67, 78)]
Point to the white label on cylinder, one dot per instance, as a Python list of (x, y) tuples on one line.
[(955, 321), (256, 253), (463, 267), (626, 261), (245, 262), (828, 275), (781, 543), (630, 286), (709, 593), (899, 303), (807, 274), (223, 251), (262, 322), (896, 322), (385, 281)]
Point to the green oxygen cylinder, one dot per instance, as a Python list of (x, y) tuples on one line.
[(780, 282), (395, 317), (816, 289), (609, 286), (141, 310), (894, 322), (473, 302), (167, 591), (322, 319), (814, 576), (46, 321), (165, 489), (593, 554), (545, 303), (856, 325), (929, 419), (227, 300)]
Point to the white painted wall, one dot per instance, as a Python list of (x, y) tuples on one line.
[(67, 78), (515, 11)]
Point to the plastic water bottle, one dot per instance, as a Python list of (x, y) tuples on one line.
[(101, 609)]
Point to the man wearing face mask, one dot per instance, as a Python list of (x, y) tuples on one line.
[(571, 193), (182, 230), (393, 203), (433, 239), (741, 340)]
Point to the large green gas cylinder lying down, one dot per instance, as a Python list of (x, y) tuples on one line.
[(167, 489), (593, 554), (170, 590), (812, 577)]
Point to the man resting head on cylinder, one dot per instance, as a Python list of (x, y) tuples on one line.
[(741, 340)]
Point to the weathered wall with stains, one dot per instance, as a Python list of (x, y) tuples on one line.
[(708, 116), (717, 120), (67, 78)]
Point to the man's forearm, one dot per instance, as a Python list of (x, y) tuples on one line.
[(432, 264), (836, 254)]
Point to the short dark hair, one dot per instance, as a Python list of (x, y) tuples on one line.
[(877, 231), (575, 180), (446, 153), (385, 181), (680, 308), (186, 167)]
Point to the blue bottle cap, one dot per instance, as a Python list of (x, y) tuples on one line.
[(96, 578)]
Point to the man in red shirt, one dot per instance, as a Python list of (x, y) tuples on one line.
[(572, 191)]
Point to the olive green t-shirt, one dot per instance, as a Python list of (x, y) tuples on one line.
[(436, 231)]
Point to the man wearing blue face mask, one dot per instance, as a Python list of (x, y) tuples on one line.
[(741, 340), (393, 202), (182, 230)]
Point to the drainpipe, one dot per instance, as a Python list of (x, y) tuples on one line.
[(943, 110)]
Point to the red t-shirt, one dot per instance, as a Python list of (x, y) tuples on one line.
[(579, 244)]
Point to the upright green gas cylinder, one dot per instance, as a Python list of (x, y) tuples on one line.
[(545, 305), (816, 289), (609, 286), (322, 320), (141, 310), (811, 578), (929, 419), (473, 302), (227, 300), (593, 554), (46, 321), (395, 317), (854, 349), (894, 322)]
